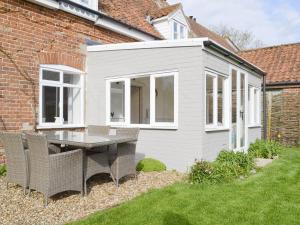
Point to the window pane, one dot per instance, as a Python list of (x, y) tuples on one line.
[(209, 99), (117, 102), (50, 106), (255, 102), (140, 100), (220, 100), (72, 106), (175, 31), (164, 99), (72, 79), (242, 111), (50, 75), (249, 105), (234, 108), (182, 32)]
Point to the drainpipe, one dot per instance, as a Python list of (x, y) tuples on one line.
[(264, 108)]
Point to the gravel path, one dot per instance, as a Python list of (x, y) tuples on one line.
[(15, 208)]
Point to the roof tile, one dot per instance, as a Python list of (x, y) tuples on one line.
[(282, 63)]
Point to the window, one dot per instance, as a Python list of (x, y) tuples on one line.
[(147, 101), (254, 105), (175, 31), (216, 101), (83, 2), (61, 97), (182, 32), (179, 31)]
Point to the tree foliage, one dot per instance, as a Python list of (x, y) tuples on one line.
[(243, 39)]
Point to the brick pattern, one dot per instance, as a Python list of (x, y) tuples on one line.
[(31, 35), (284, 115)]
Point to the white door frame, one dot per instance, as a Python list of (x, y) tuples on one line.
[(238, 109)]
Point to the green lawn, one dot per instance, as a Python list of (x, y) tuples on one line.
[(272, 196)]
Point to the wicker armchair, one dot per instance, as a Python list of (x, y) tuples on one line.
[(95, 163), (17, 159), (52, 174), (122, 159), (98, 130)]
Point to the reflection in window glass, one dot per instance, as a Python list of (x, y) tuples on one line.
[(50, 106), (50, 75), (71, 106), (234, 108), (72, 79), (164, 99), (182, 32), (209, 99), (140, 100), (220, 100), (117, 102), (255, 103), (175, 32)]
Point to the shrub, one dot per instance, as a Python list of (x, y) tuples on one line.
[(2, 170), (240, 161), (202, 172), (228, 165), (264, 149), (150, 165)]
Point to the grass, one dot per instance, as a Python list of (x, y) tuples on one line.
[(271, 196)]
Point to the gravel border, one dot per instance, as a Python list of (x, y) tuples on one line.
[(15, 208)]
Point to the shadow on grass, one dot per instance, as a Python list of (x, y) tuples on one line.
[(171, 218)]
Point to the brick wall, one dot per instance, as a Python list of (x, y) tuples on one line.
[(283, 107), (31, 35)]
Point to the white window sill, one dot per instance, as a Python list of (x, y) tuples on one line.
[(145, 126), (57, 126), (254, 126), (216, 129)]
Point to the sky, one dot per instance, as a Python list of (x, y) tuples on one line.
[(273, 22)]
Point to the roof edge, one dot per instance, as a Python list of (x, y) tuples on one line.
[(105, 16), (212, 44), (148, 45), (204, 42)]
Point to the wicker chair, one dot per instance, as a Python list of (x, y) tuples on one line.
[(98, 130), (95, 163), (122, 159), (17, 159), (52, 174)]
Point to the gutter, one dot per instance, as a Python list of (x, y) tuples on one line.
[(104, 16), (286, 83), (229, 54)]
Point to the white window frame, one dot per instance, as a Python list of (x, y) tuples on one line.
[(127, 81), (254, 107), (225, 102), (178, 34), (61, 69)]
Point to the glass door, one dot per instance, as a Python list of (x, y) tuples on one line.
[(238, 109)]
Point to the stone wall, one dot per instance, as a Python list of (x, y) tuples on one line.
[(283, 110)]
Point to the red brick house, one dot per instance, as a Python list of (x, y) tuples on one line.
[(55, 33), (48, 79), (282, 64)]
